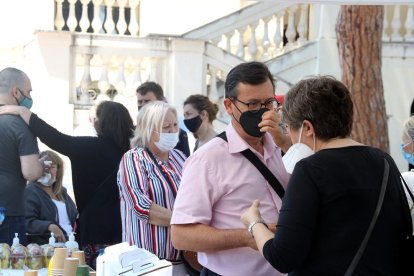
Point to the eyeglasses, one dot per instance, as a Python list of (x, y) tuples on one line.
[(256, 105)]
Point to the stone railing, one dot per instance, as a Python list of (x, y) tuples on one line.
[(98, 16), (258, 32), (111, 68), (398, 23)]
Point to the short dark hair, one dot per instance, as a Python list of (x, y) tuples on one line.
[(115, 123), (325, 102), (151, 86), (250, 73), (201, 102)]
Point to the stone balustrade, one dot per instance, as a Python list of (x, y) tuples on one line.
[(114, 17), (398, 23)]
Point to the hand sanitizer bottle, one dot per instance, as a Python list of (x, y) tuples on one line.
[(71, 244), (52, 240), (16, 240)]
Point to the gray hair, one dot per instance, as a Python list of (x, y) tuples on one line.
[(10, 77), (408, 127), (322, 100), (150, 118)]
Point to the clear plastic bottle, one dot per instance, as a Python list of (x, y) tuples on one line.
[(52, 240), (100, 262), (71, 244)]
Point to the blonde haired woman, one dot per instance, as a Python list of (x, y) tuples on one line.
[(49, 208), (148, 178)]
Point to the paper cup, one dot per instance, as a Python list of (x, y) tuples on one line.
[(92, 273), (70, 266), (80, 255), (59, 257), (30, 273)]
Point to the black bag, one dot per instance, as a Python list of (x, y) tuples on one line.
[(407, 253)]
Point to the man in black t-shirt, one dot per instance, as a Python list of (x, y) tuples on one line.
[(151, 91), (19, 154)]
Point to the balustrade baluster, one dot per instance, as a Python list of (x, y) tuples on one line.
[(84, 21), (59, 20), (136, 74), (240, 48), (385, 36), (133, 22), (153, 72), (121, 25), (213, 94), (303, 24), (72, 22), (291, 30), (120, 82), (96, 21), (396, 24), (86, 79), (103, 83), (278, 37), (265, 39), (228, 36), (253, 44), (409, 24), (109, 21)]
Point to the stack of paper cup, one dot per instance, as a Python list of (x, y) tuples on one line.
[(80, 255), (58, 262), (70, 266)]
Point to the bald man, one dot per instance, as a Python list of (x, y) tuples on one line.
[(19, 154)]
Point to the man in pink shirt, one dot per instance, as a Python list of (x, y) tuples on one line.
[(219, 183)]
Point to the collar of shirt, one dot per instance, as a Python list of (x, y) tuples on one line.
[(237, 144)]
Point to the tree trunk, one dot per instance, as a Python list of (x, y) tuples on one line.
[(359, 33)]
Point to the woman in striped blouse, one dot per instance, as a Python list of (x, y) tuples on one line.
[(148, 178)]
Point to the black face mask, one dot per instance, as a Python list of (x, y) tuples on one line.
[(193, 124), (249, 120)]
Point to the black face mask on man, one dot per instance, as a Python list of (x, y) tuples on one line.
[(249, 121), (193, 124)]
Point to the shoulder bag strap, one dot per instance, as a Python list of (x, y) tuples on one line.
[(406, 211), (271, 179), (361, 249), (164, 174)]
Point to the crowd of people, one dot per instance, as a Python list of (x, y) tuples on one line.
[(281, 190)]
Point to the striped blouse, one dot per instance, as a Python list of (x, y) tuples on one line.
[(141, 183)]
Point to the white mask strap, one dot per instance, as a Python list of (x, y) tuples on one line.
[(300, 133)]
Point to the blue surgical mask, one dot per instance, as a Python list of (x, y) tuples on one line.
[(26, 101), (407, 156)]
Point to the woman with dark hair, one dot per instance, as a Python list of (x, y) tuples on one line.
[(49, 208), (199, 114), (94, 163), (332, 195)]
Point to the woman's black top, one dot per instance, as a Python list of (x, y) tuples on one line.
[(94, 162), (326, 211)]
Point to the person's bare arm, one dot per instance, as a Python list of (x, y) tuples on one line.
[(200, 237), (159, 215), (31, 167)]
